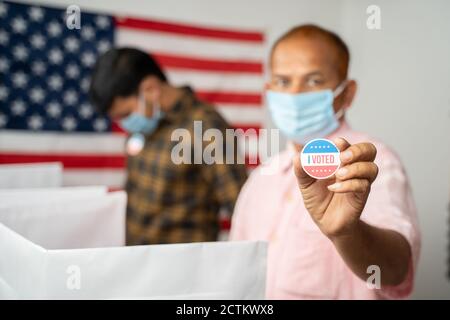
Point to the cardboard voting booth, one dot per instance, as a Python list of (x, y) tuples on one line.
[(215, 270), (68, 243), (66, 218), (33, 175)]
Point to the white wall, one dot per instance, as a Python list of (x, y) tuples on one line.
[(404, 78)]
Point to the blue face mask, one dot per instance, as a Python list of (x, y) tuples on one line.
[(137, 122), (305, 116)]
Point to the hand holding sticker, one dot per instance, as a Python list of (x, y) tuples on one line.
[(335, 198)]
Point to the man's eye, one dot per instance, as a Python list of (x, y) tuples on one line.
[(314, 82), (280, 82)]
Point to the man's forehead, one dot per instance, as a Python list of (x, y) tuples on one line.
[(305, 54)]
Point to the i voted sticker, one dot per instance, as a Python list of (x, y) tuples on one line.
[(320, 158)]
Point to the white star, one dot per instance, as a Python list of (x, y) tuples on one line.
[(87, 32), (3, 9), (4, 37), (19, 79), (100, 124), (72, 71), (36, 13), (103, 45), (54, 109), (4, 92), (71, 44), (38, 67), (19, 25), (37, 95), (37, 41), (88, 59), (54, 29), (35, 122), (3, 120), (70, 97), (4, 64), (55, 56), (69, 123), (86, 111), (102, 22), (85, 84), (18, 107), (55, 82), (20, 52)]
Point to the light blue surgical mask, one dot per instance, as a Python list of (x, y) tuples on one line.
[(139, 125), (138, 122), (305, 116)]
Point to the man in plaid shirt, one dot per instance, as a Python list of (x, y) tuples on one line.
[(168, 202)]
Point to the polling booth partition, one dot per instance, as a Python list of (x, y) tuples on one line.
[(69, 243)]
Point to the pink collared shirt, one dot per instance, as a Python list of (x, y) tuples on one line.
[(302, 262)]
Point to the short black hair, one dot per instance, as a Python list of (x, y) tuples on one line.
[(118, 73)]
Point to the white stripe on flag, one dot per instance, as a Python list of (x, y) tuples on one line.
[(236, 114), (114, 178), (56, 142), (189, 46)]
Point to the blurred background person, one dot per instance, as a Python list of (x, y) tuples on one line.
[(167, 202)]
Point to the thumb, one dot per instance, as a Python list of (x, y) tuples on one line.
[(304, 180)]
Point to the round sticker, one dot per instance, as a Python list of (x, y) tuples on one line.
[(135, 144), (320, 158)]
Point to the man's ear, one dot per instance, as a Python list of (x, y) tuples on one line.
[(150, 86), (349, 93)]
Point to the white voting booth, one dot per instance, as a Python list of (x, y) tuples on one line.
[(68, 243)]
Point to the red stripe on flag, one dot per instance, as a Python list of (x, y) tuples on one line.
[(189, 30), (230, 97), (182, 62), (85, 161)]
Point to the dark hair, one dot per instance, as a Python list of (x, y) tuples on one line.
[(118, 73), (314, 31)]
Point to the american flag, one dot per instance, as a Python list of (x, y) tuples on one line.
[(45, 115)]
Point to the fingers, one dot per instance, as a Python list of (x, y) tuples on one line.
[(365, 151), (358, 170), (352, 185)]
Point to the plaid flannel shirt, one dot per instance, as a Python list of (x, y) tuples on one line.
[(173, 203)]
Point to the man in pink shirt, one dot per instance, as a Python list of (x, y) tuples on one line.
[(352, 236)]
